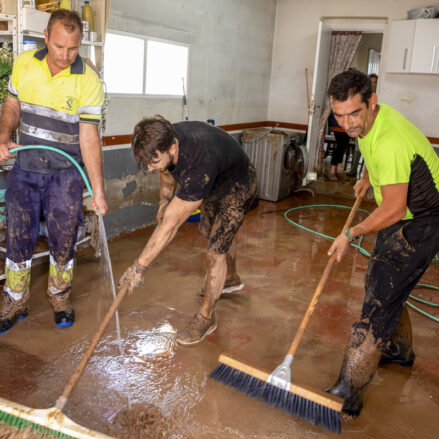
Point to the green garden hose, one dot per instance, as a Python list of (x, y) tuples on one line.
[(59, 151), (363, 251)]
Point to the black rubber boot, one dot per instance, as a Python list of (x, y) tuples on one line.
[(12, 310), (399, 350), (64, 318), (359, 365), (353, 398)]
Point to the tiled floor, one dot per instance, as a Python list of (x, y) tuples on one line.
[(281, 266)]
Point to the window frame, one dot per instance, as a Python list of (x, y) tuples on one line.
[(145, 39)]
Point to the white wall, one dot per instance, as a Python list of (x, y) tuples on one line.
[(294, 50), (230, 58)]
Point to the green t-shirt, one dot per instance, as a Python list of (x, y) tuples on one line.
[(395, 151)]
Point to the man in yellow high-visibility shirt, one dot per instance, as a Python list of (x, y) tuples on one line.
[(54, 99), (403, 170)]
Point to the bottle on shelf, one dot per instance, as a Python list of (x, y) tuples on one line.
[(65, 4), (87, 15), (87, 18), (29, 4)]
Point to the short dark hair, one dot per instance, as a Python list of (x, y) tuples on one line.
[(151, 135), (70, 19), (348, 84), (373, 75)]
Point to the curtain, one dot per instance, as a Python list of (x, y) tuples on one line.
[(343, 47)]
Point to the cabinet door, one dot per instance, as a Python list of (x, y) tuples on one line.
[(399, 52), (425, 55)]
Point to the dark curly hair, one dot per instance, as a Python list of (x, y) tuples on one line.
[(348, 84), (151, 135)]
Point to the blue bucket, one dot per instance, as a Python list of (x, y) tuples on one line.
[(195, 216)]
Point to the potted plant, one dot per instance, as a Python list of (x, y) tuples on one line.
[(6, 60)]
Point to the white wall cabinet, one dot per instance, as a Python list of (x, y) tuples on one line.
[(399, 53), (425, 55), (413, 47)]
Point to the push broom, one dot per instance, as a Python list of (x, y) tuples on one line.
[(22, 421), (312, 405), (53, 423)]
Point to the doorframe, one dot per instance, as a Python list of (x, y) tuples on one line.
[(362, 24)]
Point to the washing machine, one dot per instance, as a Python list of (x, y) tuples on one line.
[(279, 159)]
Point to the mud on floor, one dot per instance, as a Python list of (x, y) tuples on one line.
[(142, 422)]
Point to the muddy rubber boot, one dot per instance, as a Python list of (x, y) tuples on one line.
[(359, 365), (12, 310), (353, 398), (63, 312), (399, 350), (197, 330)]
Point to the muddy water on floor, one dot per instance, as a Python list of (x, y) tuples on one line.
[(280, 266)]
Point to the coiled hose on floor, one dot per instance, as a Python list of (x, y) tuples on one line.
[(363, 251)]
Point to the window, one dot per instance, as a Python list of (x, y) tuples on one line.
[(166, 65), (140, 66), (373, 62)]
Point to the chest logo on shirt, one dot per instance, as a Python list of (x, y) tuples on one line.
[(69, 103)]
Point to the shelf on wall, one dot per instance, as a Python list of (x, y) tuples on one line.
[(33, 34), (33, 21), (41, 36), (92, 43)]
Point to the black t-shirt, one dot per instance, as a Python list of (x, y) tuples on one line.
[(209, 160)]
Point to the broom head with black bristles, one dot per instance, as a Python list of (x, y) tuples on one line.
[(311, 405)]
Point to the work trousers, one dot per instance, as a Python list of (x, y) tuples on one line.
[(401, 254), (30, 196)]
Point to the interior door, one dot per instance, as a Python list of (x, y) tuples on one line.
[(318, 94)]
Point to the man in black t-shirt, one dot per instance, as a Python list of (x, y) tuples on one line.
[(214, 174)]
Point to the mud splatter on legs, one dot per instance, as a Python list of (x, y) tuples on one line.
[(221, 216), (401, 254), (58, 199)]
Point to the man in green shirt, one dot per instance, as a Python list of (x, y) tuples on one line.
[(403, 169)]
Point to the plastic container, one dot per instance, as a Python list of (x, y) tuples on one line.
[(195, 216), (87, 15), (29, 44), (85, 30), (65, 4), (429, 12)]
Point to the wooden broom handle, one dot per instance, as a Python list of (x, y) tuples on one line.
[(80, 368), (321, 285)]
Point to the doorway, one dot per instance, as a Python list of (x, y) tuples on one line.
[(374, 31)]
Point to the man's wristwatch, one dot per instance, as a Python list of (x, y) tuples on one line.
[(348, 235)]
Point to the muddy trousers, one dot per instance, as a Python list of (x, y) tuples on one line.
[(31, 196), (401, 254)]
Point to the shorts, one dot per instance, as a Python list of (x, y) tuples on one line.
[(222, 213)]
